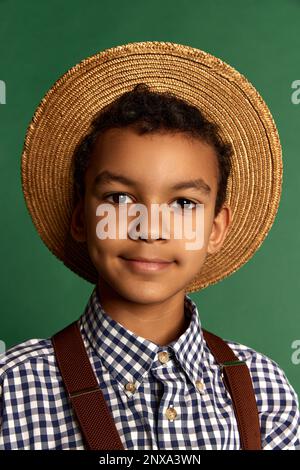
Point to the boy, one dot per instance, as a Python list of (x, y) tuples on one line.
[(141, 331)]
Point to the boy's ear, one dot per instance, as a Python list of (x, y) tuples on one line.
[(77, 227), (219, 229)]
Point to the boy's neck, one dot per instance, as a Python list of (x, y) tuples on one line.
[(160, 323)]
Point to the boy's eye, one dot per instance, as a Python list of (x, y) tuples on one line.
[(186, 203), (116, 196)]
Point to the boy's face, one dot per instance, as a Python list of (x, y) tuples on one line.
[(155, 163)]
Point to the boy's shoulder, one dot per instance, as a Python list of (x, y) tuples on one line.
[(255, 360), (248, 353), (268, 377), (26, 354)]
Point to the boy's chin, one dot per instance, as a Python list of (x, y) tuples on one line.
[(145, 294)]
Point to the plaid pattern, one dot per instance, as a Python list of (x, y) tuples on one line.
[(36, 414)]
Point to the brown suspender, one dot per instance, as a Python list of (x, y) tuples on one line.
[(237, 380), (94, 416)]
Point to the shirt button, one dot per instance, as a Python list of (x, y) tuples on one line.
[(163, 357), (200, 386), (171, 414), (130, 386)]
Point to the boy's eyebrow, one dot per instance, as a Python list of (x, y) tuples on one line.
[(108, 177)]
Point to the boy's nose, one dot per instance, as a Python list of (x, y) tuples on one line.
[(151, 226)]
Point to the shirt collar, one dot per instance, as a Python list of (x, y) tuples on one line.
[(128, 357)]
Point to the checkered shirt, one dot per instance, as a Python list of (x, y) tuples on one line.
[(161, 397)]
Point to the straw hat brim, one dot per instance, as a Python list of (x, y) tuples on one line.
[(224, 96)]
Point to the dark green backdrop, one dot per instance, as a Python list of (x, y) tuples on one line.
[(259, 304)]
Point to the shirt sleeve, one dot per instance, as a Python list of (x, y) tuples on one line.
[(1, 411), (278, 406), (11, 414), (1, 406)]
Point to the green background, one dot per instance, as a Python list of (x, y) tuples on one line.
[(259, 304)]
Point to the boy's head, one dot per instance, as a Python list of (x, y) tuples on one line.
[(156, 140), (140, 147)]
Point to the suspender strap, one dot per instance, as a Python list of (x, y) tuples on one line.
[(94, 416), (237, 379)]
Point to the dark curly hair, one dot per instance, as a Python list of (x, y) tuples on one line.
[(148, 112)]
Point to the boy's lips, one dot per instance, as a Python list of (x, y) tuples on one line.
[(147, 260), (139, 263)]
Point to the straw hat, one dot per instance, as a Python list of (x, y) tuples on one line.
[(223, 95)]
